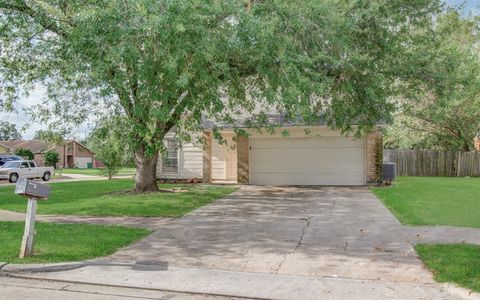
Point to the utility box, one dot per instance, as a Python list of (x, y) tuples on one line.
[(32, 189), (389, 171)]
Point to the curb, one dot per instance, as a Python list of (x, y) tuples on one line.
[(38, 268), (6, 268)]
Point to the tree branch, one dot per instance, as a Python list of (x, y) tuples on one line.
[(42, 18)]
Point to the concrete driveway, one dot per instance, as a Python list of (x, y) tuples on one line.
[(277, 243), (324, 231)]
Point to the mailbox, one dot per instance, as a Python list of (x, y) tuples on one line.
[(32, 189)]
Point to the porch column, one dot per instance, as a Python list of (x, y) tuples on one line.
[(374, 156), (65, 156), (74, 154), (242, 160), (207, 157)]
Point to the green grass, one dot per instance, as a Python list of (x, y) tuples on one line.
[(458, 263), (62, 243), (96, 172), (434, 200), (94, 198)]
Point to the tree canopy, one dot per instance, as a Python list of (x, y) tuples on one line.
[(170, 64), (442, 110), (51, 136), (26, 153), (9, 132)]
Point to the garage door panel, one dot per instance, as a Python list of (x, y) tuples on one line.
[(302, 154), (305, 167), (307, 161), (298, 179), (293, 143)]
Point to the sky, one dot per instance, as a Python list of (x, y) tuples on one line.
[(471, 6), (22, 120)]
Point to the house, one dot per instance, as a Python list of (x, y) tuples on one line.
[(4, 149), (71, 152), (317, 156), (476, 143)]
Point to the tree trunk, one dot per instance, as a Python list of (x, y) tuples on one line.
[(146, 178)]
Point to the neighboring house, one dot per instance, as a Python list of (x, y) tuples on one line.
[(476, 142), (72, 154), (4, 149), (322, 157)]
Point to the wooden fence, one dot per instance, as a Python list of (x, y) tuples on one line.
[(434, 163)]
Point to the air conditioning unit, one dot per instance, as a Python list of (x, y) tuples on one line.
[(388, 172)]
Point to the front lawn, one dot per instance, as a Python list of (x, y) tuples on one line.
[(105, 198), (433, 200), (458, 263), (62, 243), (96, 172)]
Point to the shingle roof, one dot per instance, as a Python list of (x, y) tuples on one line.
[(2, 143), (36, 146), (272, 119)]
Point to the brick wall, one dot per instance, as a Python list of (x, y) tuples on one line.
[(39, 159), (374, 156), (207, 158), (242, 160)]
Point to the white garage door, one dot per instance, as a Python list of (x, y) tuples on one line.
[(81, 162), (307, 161)]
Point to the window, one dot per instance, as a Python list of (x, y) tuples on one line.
[(24, 165), (170, 161), (32, 165)]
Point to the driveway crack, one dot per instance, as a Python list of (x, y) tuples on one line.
[(299, 243)]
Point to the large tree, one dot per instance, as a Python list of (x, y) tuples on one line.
[(442, 109), (170, 63), (9, 132)]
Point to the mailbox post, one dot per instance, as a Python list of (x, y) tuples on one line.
[(33, 191)]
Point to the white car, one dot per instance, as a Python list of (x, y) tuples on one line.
[(13, 170)]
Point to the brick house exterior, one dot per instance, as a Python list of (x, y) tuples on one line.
[(324, 157), (71, 152)]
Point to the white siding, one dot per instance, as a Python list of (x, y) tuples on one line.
[(190, 163)]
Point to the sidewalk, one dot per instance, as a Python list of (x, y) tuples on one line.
[(20, 289), (155, 276), (70, 178)]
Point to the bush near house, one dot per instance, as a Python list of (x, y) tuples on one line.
[(25, 153), (52, 158)]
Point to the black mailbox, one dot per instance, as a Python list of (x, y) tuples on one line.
[(32, 189)]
